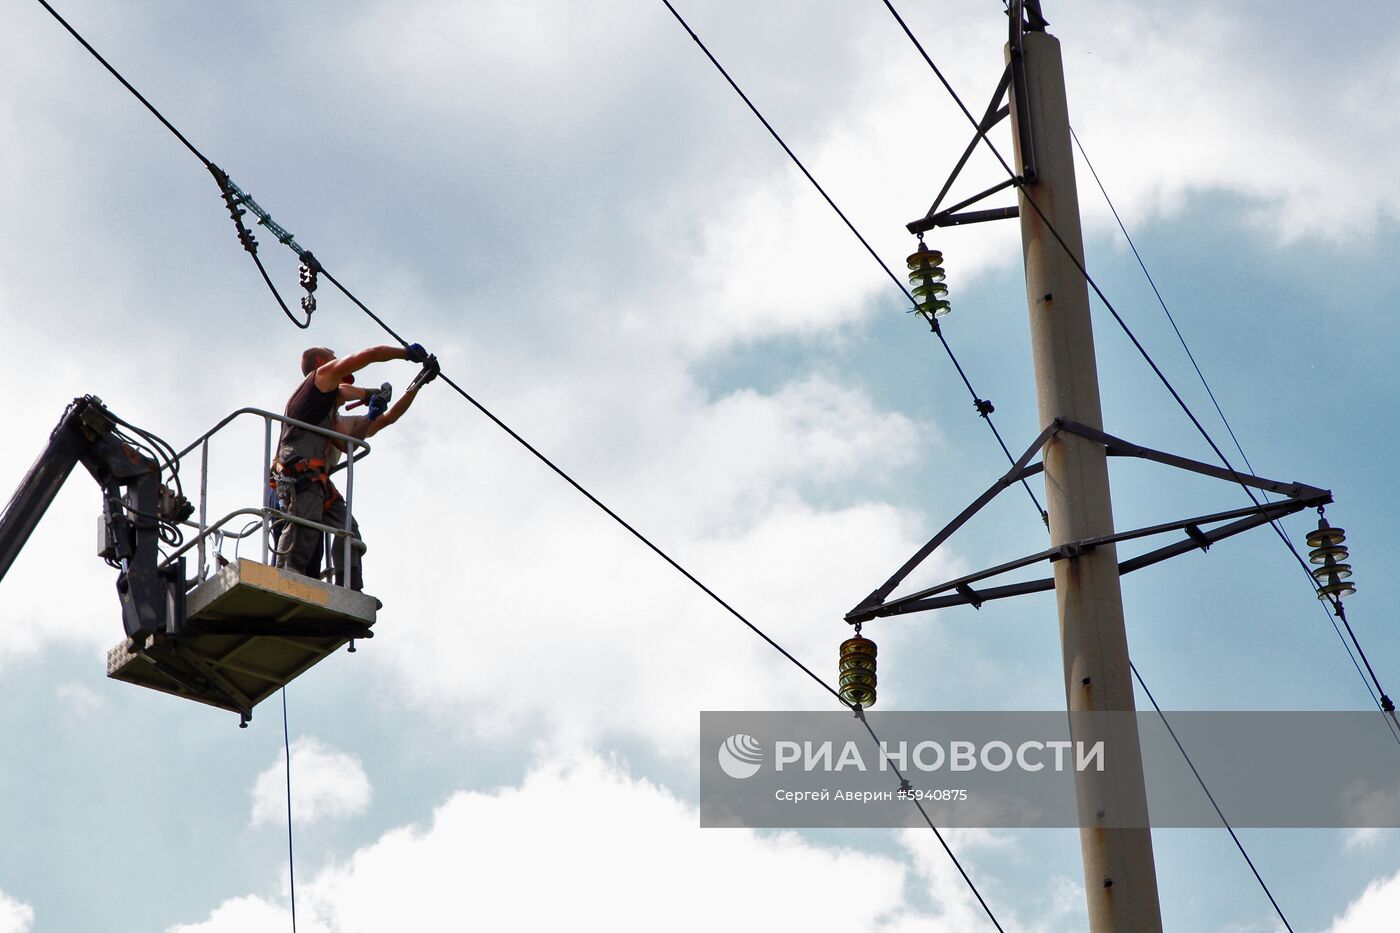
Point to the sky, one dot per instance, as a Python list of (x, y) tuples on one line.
[(569, 207)]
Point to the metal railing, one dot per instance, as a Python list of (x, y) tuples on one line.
[(356, 449)]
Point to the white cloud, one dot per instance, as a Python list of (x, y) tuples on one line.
[(81, 702), (599, 843), (15, 916), (326, 784), (1375, 909), (1174, 104), (241, 914), (1366, 837)]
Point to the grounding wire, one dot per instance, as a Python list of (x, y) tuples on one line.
[(291, 862), (1019, 181), (977, 399), (1226, 422), (1160, 300), (572, 482), (1209, 796)]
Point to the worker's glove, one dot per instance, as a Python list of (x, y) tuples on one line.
[(416, 353), (377, 401)]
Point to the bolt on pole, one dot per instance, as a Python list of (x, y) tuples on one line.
[(1119, 874)]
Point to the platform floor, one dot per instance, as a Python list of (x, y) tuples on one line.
[(251, 629)]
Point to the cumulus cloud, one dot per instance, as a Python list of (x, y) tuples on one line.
[(15, 916), (1199, 101), (1366, 837), (605, 844), (81, 702), (326, 784), (1375, 909), (241, 914)]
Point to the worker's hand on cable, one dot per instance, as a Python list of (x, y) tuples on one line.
[(415, 353)]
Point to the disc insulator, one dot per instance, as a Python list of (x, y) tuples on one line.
[(857, 674), (926, 281)]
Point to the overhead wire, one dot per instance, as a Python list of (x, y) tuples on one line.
[(978, 402), (1209, 796), (125, 83), (1382, 702), (1277, 523), (291, 860), (557, 470)]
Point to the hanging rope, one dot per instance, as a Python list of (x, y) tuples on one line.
[(291, 861)]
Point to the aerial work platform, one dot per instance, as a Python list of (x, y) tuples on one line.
[(249, 630), (235, 631), (240, 630)]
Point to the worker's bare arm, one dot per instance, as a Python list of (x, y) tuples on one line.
[(329, 375), (350, 393)]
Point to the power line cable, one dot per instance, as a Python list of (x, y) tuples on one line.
[(577, 486), (982, 406), (1160, 300), (1379, 701), (1209, 796), (1383, 702), (126, 84)]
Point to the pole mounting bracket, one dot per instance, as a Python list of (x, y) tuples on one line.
[(1023, 16), (960, 592)]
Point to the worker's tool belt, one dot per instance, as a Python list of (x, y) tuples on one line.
[(296, 474)]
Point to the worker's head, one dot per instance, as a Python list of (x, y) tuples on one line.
[(313, 358)]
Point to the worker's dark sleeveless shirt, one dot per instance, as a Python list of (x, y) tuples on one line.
[(309, 403)]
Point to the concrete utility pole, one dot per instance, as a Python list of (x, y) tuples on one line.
[(1120, 879)]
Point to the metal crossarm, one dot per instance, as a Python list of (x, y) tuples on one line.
[(960, 592), (996, 112)]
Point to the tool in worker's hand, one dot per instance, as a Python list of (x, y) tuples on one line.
[(427, 374)]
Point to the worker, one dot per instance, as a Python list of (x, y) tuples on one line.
[(300, 473)]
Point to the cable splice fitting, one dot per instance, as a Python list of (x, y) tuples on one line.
[(233, 200)]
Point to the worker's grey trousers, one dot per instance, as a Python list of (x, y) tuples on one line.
[(299, 548)]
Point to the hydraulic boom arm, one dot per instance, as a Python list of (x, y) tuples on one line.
[(134, 505)]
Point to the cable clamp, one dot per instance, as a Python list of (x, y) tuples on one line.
[(310, 269), (1387, 703)]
